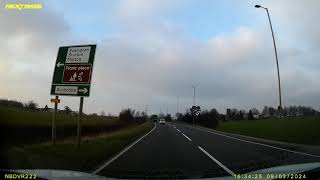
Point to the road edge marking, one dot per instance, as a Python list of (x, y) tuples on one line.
[(256, 143), (123, 151), (217, 162), (186, 137)]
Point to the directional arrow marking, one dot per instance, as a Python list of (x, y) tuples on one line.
[(84, 90), (59, 64)]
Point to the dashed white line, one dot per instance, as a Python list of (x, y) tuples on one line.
[(256, 143), (216, 161), (178, 130), (186, 137), (261, 144)]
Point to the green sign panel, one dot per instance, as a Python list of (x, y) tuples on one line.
[(73, 70)]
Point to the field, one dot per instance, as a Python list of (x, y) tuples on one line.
[(25, 138), (14, 116), (301, 130), (20, 127), (65, 155)]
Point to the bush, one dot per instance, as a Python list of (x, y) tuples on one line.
[(168, 118), (126, 115), (31, 105), (209, 119), (11, 103)]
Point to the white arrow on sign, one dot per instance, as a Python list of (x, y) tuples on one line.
[(59, 64), (84, 90)]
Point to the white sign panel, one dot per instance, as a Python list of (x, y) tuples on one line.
[(78, 54), (66, 90)]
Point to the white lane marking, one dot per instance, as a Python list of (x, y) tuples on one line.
[(178, 130), (186, 137), (261, 144), (216, 161), (123, 151)]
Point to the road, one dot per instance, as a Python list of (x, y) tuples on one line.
[(181, 151)]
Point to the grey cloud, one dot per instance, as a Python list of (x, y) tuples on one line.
[(154, 62)]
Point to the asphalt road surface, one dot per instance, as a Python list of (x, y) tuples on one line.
[(181, 151)]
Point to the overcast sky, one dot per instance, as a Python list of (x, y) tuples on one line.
[(149, 52)]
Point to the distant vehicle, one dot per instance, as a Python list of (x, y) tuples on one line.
[(162, 121), (154, 118)]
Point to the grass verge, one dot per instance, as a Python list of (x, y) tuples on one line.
[(65, 155), (301, 130)]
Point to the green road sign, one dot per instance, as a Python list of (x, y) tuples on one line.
[(73, 70)]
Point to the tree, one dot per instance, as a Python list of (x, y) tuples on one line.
[(103, 113), (250, 115), (195, 110), (137, 114), (31, 105), (285, 111), (234, 113), (228, 114), (265, 111), (144, 114), (255, 111), (67, 109), (126, 115), (95, 115), (209, 118), (240, 116), (272, 111), (243, 111), (179, 116), (168, 118), (186, 117)]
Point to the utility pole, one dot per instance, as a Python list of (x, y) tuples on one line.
[(167, 110), (79, 123), (194, 102), (178, 105), (146, 110)]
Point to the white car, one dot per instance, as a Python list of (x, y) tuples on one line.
[(162, 121)]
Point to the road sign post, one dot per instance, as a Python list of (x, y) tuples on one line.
[(72, 76), (53, 130), (79, 122)]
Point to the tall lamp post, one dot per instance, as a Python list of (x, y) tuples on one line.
[(276, 54)]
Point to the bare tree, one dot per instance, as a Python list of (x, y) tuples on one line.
[(103, 113), (31, 105), (67, 110)]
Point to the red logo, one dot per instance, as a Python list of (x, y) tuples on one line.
[(77, 73)]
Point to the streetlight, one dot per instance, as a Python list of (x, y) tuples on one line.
[(276, 54)]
